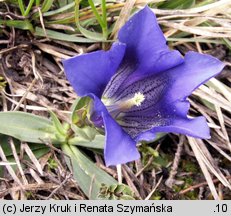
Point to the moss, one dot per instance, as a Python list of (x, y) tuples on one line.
[(52, 164), (29, 194), (188, 166), (160, 159), (156, 196), (2, 83)]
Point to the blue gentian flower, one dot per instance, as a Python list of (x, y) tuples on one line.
[(140, 87)]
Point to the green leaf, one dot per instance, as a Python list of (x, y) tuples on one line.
[(80, 134), (80, 103), (6, 147), (47, 5), (57, 124), (94, 10), (28, 9), (21, 6), (91, 35), (38, 153), (227, 42), (62, 3), (61, 36), (7, 150), (204, 2), (88, 34), (27, 127), (97, 143), (59, 10), (37, 3), (178, 4), (20, 24), (86, 173), (85, 135), (38, 150)]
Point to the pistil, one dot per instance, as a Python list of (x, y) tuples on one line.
[(124, 104)]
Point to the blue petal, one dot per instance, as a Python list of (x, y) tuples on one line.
[(175, 120), (119, 147), (165, 108), (196, 70), (196, 127), (167, 118), (144, 39), (146, 52), (90, 73)]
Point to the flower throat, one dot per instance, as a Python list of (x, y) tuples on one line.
[(124, 104)]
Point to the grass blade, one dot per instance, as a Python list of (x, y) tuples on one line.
[(89, 177)]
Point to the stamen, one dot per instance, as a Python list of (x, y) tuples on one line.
[(124, 104), (138, 98), (129, 103)]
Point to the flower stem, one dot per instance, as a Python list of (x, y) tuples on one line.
[(119, 173)]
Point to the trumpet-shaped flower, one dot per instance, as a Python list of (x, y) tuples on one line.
[(140, 87)]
